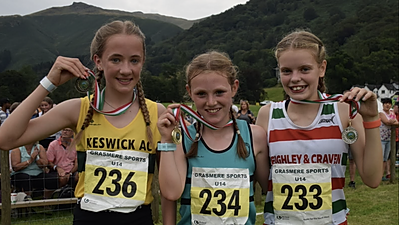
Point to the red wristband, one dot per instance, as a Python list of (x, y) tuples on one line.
[(372, 124)]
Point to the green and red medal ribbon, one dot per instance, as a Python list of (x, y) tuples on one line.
[(325, 98), (99, 96), (180, 117)]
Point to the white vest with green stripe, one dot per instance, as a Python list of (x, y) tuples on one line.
[(319, 143)]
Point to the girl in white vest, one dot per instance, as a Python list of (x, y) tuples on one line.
[(306, 135)]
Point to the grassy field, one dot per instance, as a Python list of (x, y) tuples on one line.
[(275, 94)]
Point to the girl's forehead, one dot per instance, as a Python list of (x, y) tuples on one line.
[(209, 75)]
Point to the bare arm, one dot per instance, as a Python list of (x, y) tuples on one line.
[(16, 163), (42, 161), (168, 211), (261, 156), (386, 120), (19, 130), (367, 150), (173, 166), (75, 166)]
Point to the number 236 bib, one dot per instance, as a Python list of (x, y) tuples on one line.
[(115, 180), (219, 195), (302, 194)]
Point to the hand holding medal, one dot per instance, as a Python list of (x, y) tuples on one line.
[(349, 134)]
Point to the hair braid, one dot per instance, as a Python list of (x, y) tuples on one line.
[(194, 147), (241, 149), (144, 110)]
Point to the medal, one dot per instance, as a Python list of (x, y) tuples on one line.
[(85, 85), (176, 135), (349, 135)]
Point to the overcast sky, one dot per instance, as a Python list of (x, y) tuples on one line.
[(188, 9)]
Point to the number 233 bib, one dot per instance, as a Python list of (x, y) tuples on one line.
[(302, 194)]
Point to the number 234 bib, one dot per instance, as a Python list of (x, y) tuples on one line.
[(219, 195)]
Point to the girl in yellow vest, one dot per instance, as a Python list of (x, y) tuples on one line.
[(116, 128), (214, 168)]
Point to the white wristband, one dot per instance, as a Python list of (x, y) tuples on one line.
[(46, 83)]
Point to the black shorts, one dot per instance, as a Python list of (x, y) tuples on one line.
[(142, 216)]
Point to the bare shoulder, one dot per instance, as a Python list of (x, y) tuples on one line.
[(264, 111), (258, 132), (259, 139), (263, 116)]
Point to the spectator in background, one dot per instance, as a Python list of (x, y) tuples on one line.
[(27, 162), (5, 109), (62, 159), (46, 105), (396, 111), (245, 113), (387, 120)]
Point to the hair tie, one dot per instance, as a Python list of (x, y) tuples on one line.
[(238, 132), (147, 124)]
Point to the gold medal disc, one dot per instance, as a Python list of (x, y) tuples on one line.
[(176, 136)]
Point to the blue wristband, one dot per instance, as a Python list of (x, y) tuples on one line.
[(166, 147)]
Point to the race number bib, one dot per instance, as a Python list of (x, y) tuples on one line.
[(302, 194), (219, 195), (115, 180)]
